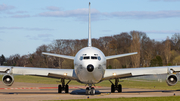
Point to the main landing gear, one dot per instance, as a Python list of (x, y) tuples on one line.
[(90, 90), (116, 86), (63, 87)]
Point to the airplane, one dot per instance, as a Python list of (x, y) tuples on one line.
[(89, 69)]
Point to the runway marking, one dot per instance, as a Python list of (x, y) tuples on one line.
[(46, 88)]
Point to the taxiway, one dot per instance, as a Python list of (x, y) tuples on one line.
[(36, 92)]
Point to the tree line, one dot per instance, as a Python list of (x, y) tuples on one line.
[(150, 52)]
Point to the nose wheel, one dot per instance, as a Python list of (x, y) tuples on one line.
[(90, 91)]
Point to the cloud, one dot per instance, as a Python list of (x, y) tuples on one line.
[(70, 13), (43, 37), (23, 28), (4, 7), (82, 14), (144, 14), (2, 32), (21, 16), (32, 37), (53, 8), (17, 12), (79, 14), (4, 28), (39, 29)]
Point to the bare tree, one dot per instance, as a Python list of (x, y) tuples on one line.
[(13, 59), (113, 45), (105, 41), (123, 46), (176, 41), (175, 38), (23, 61), (167, 50), (2, 59), (147, 50), (135, 47)]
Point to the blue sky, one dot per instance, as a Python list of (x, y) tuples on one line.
[(27, 24)]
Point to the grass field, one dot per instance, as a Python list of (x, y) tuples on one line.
[(126, 83), (173, 98)]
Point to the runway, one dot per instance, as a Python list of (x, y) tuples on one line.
[(36, 92)]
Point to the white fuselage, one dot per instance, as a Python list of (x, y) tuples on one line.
[(90, 65)]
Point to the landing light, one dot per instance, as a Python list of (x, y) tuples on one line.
[(114, 74), (65, 74)]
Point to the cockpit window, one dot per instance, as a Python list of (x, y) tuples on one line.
[(86, 57), (90, 57), (93, 57)]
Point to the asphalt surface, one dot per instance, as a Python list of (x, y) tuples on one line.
[(38, 92)]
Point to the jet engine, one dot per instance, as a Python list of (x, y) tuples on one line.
[(8, 80), (171, 80)]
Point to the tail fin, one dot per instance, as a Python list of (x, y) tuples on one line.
[(89, 34)]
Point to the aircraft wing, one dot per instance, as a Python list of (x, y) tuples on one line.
[(133, 72), (120, 55), (58, 55), (44, 72)]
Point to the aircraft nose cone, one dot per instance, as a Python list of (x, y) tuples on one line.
[(90, 68)]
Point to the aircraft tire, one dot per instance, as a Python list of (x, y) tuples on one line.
[(87, 91), (66, 89), (119, 88), (112, 88), (59, 89), (93, 91)]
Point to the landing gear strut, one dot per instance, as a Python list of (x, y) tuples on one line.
[(116, 86), (90, 90), (63, 87)]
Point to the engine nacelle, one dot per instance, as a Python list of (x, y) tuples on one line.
[(8, 80), (171, 80)]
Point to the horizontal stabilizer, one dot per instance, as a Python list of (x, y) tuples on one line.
[(120, 55), (58, 55)]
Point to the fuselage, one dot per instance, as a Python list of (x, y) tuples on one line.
[(90, 65)]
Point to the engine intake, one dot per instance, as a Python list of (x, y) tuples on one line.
[(171, 80), (8, 80)]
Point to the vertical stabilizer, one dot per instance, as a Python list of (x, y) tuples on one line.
[(89, 34)]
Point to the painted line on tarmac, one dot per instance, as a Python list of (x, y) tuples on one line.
[(43, 88)]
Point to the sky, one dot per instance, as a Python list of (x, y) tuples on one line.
[(27, 24)]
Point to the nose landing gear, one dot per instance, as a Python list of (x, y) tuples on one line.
[(90, 90)]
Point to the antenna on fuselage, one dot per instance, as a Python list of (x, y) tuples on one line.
[(89, 34)]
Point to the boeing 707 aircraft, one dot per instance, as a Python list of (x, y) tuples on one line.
[(89, 69)]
